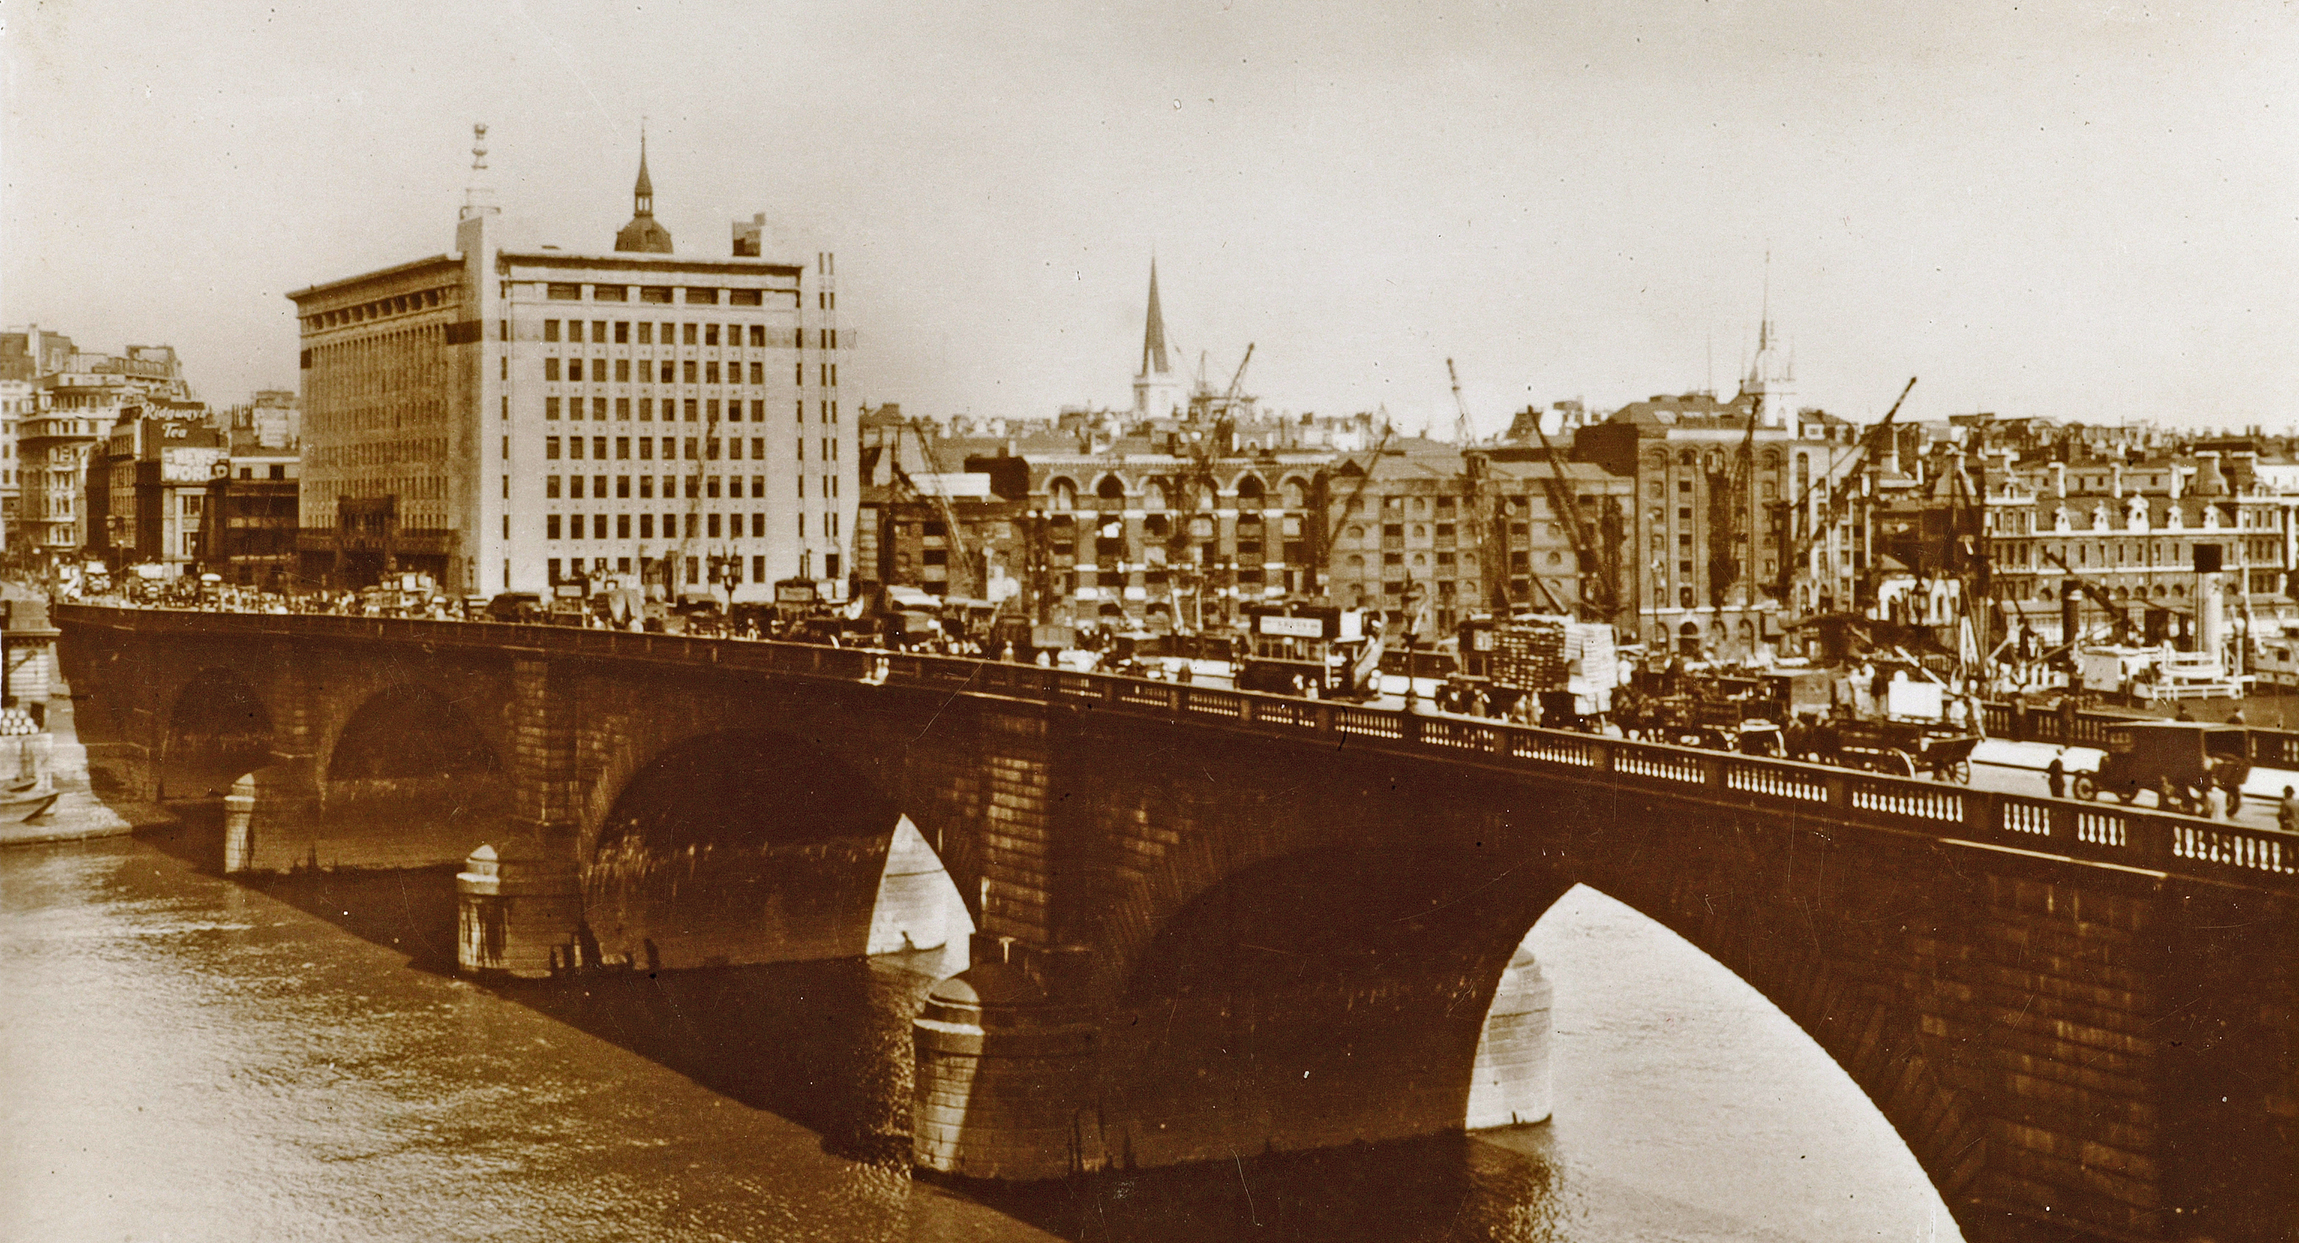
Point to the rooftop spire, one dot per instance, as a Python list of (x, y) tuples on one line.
[(643, 233), (1153, 332), (644, 191)]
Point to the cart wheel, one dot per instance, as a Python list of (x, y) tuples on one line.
[(2085, 788), (1960, 772), (1906, 764)]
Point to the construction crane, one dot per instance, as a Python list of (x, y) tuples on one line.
[(1839, 491), (1329, 531), (1606, 563), (957, 539), (1492, 542)]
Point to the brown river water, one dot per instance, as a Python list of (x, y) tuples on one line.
[(185, 1057)]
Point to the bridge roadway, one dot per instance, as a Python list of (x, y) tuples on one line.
[(1204, 922)]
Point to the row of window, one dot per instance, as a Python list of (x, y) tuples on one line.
[(695, 485), (694, 295), (707, 526), (622, 332), (707, 448), (689, 372), (404, 304), (696, 410), (726, 569)]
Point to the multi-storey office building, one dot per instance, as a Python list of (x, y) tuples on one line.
[(517, 419), (75, 399)]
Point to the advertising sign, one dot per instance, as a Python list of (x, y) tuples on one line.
[(1291, 627)]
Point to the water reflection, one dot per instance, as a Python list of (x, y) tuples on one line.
[(197, 1057)]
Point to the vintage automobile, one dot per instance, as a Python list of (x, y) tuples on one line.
[(2191, 757)]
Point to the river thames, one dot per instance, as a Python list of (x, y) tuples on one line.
[(184, 1057)]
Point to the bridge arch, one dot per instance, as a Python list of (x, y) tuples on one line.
[(218, 729), (407, 779), (749, 845), (409, 730), (1339, 989)]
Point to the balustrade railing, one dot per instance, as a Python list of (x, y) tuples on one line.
[(2123, 835)]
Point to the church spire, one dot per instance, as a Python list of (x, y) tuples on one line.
[(643, 233), (1153, 332), (643, 194)]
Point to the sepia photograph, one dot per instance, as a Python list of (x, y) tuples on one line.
[(1429, 621)]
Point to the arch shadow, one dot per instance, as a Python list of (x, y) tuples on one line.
[(217, 731), (748, 846), (1339, 997)]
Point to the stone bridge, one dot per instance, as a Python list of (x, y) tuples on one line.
[(1204, 923)]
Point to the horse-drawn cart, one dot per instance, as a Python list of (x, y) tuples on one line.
[(1897, 748)]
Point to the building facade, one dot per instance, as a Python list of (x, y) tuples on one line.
[(518, 419)]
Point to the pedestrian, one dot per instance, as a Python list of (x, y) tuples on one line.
[(2214, 802), (2168, 799), (2287, 812), (2056, 778), (2236, 717), (2183, 714)]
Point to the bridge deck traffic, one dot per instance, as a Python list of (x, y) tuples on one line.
[(2092, 833)]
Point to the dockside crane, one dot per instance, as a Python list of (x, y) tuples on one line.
[(1490, 526), (1604, 602), (1839, 492), (976, 575), (1329, 529)]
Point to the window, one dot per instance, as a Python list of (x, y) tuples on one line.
[(647, 521), (550, 407), (550, 368), (575, 447), (654, 293), (691, 366), (550, 330), (691, 405), (599, 409), (710, 334), (558, 292), (622, 448), (575, 486), (757, 448), (646, 409), (646, 333), (646, 448), (744, 297), (623, 486), (701, 297), (712, 525), (550, 485), (550, 448), (622, 526), (690, 334), (622, 408), (622, 326), (646, 483), (551, 528), (622, 370)]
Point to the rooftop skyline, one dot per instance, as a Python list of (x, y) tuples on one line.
[(2063, 210)]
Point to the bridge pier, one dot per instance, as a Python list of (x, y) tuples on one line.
[(270, 818), (519, 912), (1004, 1078), (1511, 1087)]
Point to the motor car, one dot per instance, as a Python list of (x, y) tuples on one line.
[(2192, 756), (521, 607)]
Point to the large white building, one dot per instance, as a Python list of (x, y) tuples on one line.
[(513, 419)]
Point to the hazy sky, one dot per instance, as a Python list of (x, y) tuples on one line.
[(2084, 210)]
